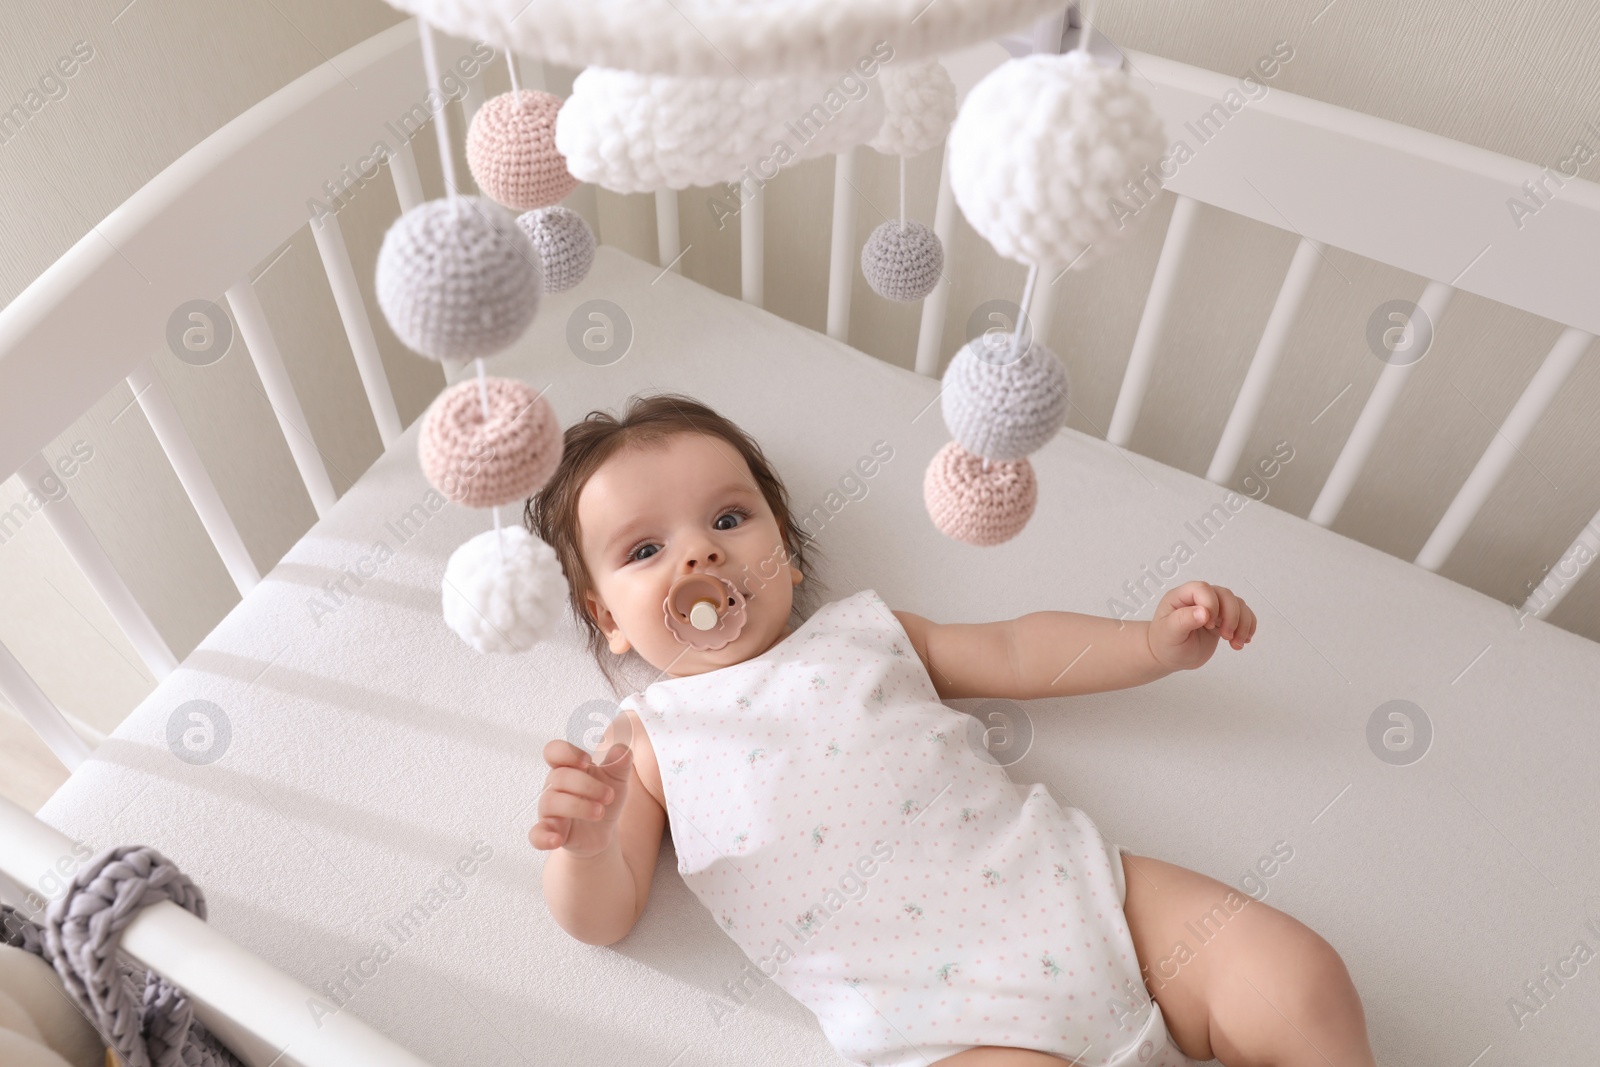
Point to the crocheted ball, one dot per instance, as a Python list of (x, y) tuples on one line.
[(482, 463), (504, 602), (636, 133), (980, 507), (902, 264), (919, 103), (1040, 153), (457, 278), (1000, 407), (564, 242), (511, 150)]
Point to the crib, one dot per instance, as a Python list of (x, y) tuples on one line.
[(372, 749)]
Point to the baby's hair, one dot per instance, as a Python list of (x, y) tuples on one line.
[(552, 513)]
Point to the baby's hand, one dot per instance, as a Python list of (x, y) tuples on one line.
[(582, 800), (1184, 630)]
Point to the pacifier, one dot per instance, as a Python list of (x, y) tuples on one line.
[(704, 611)]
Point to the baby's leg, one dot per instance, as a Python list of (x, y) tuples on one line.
[(1260, 990)]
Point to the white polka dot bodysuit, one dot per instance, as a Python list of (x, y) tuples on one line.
[(850, 832)]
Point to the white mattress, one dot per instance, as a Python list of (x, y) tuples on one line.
[(370, 748)]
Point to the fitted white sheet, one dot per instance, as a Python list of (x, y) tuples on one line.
[(371, 747)]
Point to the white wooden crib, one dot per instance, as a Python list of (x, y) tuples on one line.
[(1223, 774)]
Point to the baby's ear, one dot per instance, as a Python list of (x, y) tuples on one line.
[(607, 623)]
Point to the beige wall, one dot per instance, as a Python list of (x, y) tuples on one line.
[(1516, 79)]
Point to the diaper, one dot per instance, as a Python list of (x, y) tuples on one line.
[(1153, 1047)]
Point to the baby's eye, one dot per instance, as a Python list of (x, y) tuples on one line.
[(633, 553), (740, 513)]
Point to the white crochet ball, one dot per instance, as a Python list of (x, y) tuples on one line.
[(509, 605), (902, 264), (1003, 408), (920, 103), (458, 278), (564, 242), (636, 133), (1040, 149)]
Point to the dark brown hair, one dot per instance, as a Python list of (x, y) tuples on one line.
[(552, 513)]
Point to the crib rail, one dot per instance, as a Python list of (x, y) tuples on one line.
[(108, 302), (1428, 205)]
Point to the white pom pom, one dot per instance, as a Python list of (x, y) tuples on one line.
[(1041, 154), (636, 133), (920, 101), (504, 606)]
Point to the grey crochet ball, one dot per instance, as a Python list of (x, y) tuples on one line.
[(458, 278), (902, 262), (565, 244), (1002, 407)]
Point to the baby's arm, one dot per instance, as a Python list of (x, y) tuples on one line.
[(597, 891), (1063, 653)]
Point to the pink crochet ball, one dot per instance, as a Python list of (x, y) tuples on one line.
[(482, 463), (977, 506), (511, 151)]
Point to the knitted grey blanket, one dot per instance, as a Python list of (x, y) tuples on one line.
[(148, 1021)]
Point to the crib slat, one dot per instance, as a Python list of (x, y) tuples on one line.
[(159, 411), (1274, 339), (930, 335), (475, 95), (669, 242), (1553, 588), (752, 247), (1374, 416), (90, 556), (843, 253), (530, 71), (1503, 446), (1136, 379), (357, 326), (407, 182), (257, 335), (47, 720)]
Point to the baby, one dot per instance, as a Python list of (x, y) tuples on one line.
[(842, 823)]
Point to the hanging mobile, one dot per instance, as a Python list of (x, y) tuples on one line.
[(1036, 193), (459, 279)]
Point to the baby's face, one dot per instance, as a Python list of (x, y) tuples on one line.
[(653, 512)]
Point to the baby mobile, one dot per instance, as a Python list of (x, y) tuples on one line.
[(1037, 152), (461, 278)]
